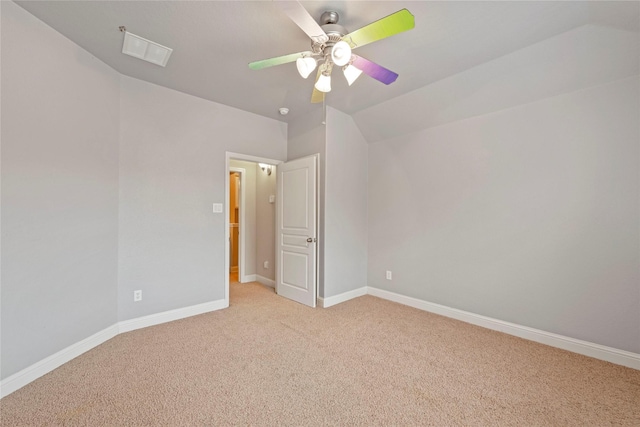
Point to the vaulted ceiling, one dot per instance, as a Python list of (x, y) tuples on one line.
[(213, 41)]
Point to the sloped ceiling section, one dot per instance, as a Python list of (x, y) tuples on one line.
[(213, 42), (587, 56)]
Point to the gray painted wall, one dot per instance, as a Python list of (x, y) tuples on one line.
[(107, 187), (249, 227), (528, 215), (343, 196), (345, 260), (59, 192), (172, 168), (266, 223)]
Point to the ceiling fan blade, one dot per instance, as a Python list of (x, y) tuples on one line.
[(374, 70), (299, 15), (388, 26), (317, 96), (278, 60)]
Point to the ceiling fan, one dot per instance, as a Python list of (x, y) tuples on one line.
[(332, 44)]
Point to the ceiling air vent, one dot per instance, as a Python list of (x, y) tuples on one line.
[(147, 50)]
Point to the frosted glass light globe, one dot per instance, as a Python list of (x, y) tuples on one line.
[(324, 83), (305, 66), (341, 53)]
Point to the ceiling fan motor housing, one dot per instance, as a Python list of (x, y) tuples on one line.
[(329, 17), (335, 32)]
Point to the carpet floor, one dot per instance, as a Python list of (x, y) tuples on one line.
[(269, 361)]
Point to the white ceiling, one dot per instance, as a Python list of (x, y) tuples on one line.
[(213, 41)]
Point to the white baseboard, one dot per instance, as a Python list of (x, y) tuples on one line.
[(48, 364), (265, 281), (597, 351), (171, 315), (345, 296), (44, 366), (248, 278)]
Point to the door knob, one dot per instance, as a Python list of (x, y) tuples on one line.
[(309, 240)]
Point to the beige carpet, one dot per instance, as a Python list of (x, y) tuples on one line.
[(270, 361)]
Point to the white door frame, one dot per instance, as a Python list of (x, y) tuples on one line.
[(247, 158), (241, 227)]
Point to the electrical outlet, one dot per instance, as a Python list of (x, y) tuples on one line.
[(266, 264), (388, 275), (137, 296)]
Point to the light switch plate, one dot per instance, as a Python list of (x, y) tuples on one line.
[(217, 208), (272, 199)]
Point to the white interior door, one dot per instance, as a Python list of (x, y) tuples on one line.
[(296, 230)]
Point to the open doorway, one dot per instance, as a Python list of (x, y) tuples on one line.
[(236, 176), (250, 220)]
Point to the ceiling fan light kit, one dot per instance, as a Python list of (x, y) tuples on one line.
[(333, 44)]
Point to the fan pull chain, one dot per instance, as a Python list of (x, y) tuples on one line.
[(324, 109)]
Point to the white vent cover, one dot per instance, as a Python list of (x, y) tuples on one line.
[(147, 50)]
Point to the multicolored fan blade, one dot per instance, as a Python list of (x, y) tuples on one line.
[(317, 96), (388, 26), (278, 60), (299, 15), (374, 70)]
